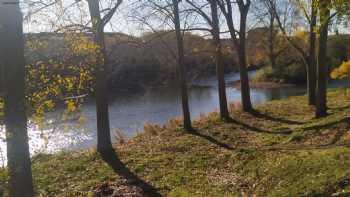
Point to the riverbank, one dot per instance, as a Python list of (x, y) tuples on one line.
[(279, 151), (264, 85)]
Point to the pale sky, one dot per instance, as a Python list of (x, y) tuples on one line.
[(126, 20)]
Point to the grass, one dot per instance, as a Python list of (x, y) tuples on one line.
[(280, 151)]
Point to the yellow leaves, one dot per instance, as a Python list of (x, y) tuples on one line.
[(50, 104), (49, 82), (71, 106), (302, 35), (343, 71), (335, 73), (1, 108)]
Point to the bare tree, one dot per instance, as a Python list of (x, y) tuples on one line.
[(98, 23), (181, 66), (213, 22), (167, 15), (12, 61), (308, 55), (239, 42)]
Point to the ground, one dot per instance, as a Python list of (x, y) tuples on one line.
[(280, 150)]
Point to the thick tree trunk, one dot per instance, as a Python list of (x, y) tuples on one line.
[(103, 131), (12, 61), (245, 89), (181, 68), (219, 61), (322, 70), (311, 67)]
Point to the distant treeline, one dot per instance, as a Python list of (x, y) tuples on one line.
[(150, 60)]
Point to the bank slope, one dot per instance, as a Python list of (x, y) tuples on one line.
[(278, 151)]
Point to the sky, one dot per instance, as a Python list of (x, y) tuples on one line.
[(129, 18)]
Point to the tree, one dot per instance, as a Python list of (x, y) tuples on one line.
[(103, 130), (239, 42), (12, 61), (219, 60), (213, 22), (322, 70), (181, 66), (311, 63), (307, 55)]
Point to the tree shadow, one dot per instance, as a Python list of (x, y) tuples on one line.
[(338, 136), (258, 130), (275, 119), (339, 132), (339, 108), (327, 125), (119, 168), (212, 140)]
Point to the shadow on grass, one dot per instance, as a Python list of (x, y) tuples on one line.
[(327, 125), (255, 129), (340, 108), (212, 140), (336, 190), (275, 119), (119, 168), (258, 130)]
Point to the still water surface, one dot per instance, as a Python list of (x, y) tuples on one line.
[(130, 112)]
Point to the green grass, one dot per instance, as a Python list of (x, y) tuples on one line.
[(282, 151)]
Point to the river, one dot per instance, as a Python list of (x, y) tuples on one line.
[(129, 112)]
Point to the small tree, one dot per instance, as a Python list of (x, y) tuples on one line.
[(239, 42), (98, 23), (212, 19), (181, 66)]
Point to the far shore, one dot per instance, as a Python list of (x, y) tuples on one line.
[(263, 85)]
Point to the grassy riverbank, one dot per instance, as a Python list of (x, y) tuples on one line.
[(279, 151)]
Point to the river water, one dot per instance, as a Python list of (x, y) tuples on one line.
[(129, 112)]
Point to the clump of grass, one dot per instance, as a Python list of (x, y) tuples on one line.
[(174, 124), (152, 129), (119, 136), (234, 106)]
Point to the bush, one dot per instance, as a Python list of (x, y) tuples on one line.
[(293, 73)]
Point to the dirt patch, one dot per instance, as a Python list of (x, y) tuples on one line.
[(118, 189)]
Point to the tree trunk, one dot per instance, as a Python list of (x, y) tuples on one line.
[(322, 70), (181, 66), (311, 67), (272, 55), (12, 61), (103, 131), (245, 89), (240, 45), (219, 61)]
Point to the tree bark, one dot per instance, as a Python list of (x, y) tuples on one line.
[(271, 43), (242, 57), (219, 61), (322, 70), (311, 67), (181, 69), (104, 143), (13, 63), (240, 45)]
